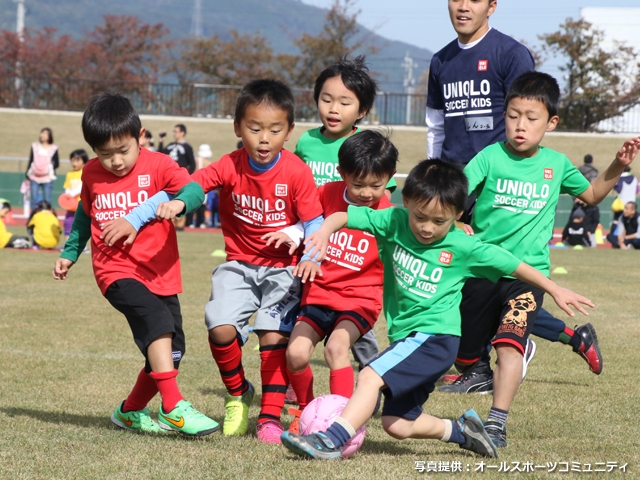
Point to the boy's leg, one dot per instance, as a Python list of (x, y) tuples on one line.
[(156, 323), (521, 303), (480, 308), (233, 300), (279, 307), (303, 340), (349, 328)]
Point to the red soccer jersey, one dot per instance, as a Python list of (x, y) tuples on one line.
[(253, 204), (153, 258), (352, 272)]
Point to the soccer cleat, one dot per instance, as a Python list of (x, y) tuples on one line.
[(471, 382), (187, 420), (497, 433), (290, 397), (269, 431), (450, 378), (295, 424), (589, 349), (236, 417), (135, 420), (529, 352), (317, 445), (476, 437)]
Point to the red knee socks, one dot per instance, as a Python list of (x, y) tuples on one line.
[(143, 391), (302, 383), (273, 372), (229, 360), (168, 388), (341, 381)]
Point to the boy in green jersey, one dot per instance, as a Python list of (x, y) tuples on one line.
[(426, 261), (518, 183)]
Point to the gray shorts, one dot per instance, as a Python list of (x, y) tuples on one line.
[(238, 290)]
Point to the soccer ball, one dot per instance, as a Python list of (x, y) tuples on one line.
[(320, 414)]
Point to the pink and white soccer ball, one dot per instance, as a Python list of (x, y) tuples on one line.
[(321, 413)]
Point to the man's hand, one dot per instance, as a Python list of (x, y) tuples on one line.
[(280, 238), (307, 270), (170, 210), (61, 268), (115, 230)]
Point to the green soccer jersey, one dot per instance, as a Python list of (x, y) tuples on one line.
[(321, 154), (423, 283), (517, 199)]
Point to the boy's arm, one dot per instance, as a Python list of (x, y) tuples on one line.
[(604, 183), (562, 296), (316, 243), (79, 235)]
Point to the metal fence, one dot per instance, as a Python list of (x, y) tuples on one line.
[(218, 101)]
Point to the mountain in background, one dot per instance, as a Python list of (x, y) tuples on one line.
[(279, 21)]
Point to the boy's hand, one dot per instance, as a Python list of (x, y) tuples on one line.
[(628, 151), (170, 210), (466, 228), (307, 270), (61, 268), (280, 238), (115, 230), (316, 245), (565, 297)]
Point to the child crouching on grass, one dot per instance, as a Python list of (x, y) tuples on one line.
[(426, 261), (343, 300)]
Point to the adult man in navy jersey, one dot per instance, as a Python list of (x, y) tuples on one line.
[(468, 82)]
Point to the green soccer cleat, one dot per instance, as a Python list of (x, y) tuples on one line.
[(236, 418), (139, 421), (187, 420)]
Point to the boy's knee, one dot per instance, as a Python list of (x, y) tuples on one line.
[(335, 350), (297, 358), (395, 427)]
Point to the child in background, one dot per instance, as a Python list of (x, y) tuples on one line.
[(7, 239), (344, 93), (426, 261), (344, 301), (263, 188), (73, 185), (142, 281), (574, 232), (44, 227)]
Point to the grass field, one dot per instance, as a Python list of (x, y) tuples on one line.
[(18, 129), (69, 359)]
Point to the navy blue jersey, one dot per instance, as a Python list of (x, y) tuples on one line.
[(470, 86)]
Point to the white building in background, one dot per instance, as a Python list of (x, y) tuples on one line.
[(622, 25)]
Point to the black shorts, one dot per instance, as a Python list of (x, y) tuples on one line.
[(505, 310), (324, 320), (149, 315)]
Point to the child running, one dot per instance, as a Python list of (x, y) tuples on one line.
[(143, 280), (345, 300), (263, 188), (518, 183), (426, 260)]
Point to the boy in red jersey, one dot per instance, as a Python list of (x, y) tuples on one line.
[(263, 188), (345, 300), (142, 280)]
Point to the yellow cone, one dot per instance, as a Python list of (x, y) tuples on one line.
[(218, 253), (559, 271)]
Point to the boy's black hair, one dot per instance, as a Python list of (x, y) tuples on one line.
[(535, 86), (4, 203), (272, 93), (182, 128), (368, 153), (80, 152), (588, 158), (435, 179), (354, 74), (109, 116), (48, 130)]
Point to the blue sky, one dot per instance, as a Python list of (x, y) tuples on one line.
[(420, 23)]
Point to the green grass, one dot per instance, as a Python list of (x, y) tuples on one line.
[(69, 359)]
